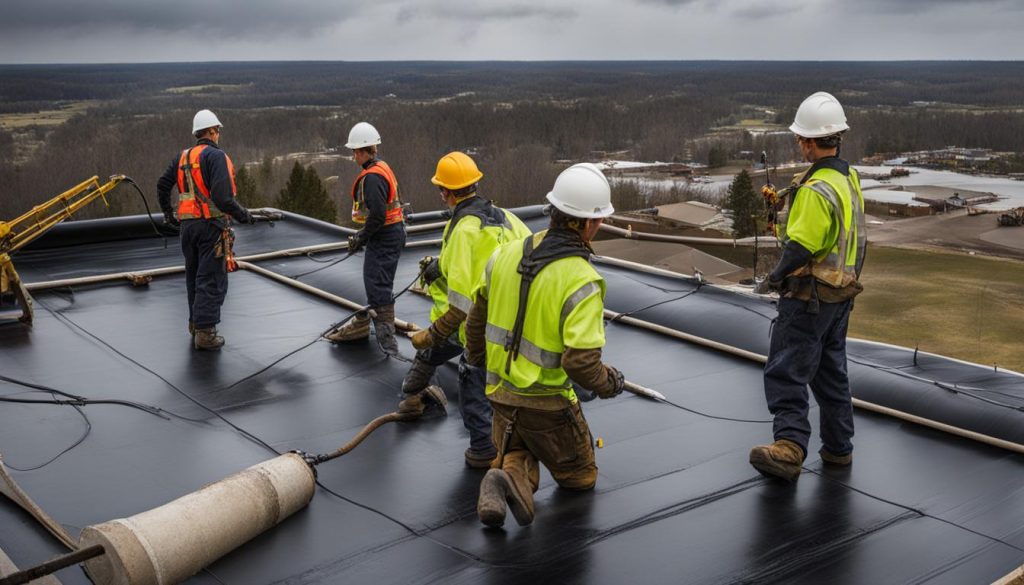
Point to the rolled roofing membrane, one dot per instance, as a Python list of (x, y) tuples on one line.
[(676, 500)]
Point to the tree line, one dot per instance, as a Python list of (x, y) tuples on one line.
[(519, 121)]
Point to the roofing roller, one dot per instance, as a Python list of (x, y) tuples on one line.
[(175, 541)]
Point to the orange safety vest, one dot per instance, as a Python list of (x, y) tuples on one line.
[(194, 200), (393, 213)]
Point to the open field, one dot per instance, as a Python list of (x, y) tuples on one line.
[(952, 304), (208, 88), (955, 231), (54, 117)]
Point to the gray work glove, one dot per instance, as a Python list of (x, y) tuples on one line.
[(431, 269), (171, 222), (767, 286), (357, 241)]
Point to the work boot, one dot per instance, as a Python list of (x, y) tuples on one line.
[(384, 327), (207, 339), (838, 460), (418, 377), (357, 328), (478, 459), (782, 459), (191, 328), (498, 491), (417, 404)]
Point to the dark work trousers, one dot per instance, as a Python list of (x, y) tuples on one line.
[(810, 350), (473, 403), (206, 274), (380, 263)]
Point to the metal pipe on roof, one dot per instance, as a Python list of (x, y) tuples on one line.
[(857, 402), (348, 304), (141, 275), (635, 235)]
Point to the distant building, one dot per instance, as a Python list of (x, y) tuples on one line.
[(669, 256), (690, 214), (958, 200), (894, 203)]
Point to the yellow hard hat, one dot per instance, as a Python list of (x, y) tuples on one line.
[(455, 171)]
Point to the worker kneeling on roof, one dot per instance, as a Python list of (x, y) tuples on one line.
[(477, 227), (377, 206), (817, 278), (537, 323), (205, 179)]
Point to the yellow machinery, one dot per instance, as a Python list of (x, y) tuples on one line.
[(18, 233)]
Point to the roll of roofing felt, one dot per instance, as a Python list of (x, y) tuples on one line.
[(175, 541)]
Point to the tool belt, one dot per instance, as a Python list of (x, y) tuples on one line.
[(225, 248), (810, 289)]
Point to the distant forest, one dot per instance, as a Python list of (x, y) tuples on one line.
[(521, 120)]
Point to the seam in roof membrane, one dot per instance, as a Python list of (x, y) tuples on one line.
[(912, 509)]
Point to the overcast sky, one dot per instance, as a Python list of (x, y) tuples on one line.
[(85, 31)]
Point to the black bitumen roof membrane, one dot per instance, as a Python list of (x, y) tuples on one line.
[(676, 500)]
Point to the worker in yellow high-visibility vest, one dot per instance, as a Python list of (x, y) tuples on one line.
[(817, 279), (537, 324), (477, 227)]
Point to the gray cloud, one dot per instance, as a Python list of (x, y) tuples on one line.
[(98, 31), (754, 9), (927, 6), (474, 12), (232, 19), (672, 3)]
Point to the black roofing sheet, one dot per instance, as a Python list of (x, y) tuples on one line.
[(676, 500)]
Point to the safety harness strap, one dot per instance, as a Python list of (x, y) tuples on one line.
[(482, 209), (556, 245)]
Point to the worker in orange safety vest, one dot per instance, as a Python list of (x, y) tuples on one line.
[(205, 178)]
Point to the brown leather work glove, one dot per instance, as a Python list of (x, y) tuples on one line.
[(422, 339), (585, 368)]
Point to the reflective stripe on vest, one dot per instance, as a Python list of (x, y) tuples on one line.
[(537, 370), (840, 266), (393, 211), (194, 200), (465, 250)]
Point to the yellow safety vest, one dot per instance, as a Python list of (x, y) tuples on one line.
[(827, 218), (465, 249), (565, 308)]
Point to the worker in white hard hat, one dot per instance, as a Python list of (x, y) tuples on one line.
[(817, 279), (537, 325), (477, 227), (377, 207), (205, 178)]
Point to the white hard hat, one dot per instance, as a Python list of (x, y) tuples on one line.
[(582, 191), (362, 135), (204, 119), (819, 115)]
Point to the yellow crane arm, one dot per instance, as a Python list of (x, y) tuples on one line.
[(19, 232)]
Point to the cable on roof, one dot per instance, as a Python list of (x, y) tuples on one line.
[(149, 214), (325, 266), (78, 400), (714, 416), (953, 388), (250, 436), (651, 306), (79, 441)]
